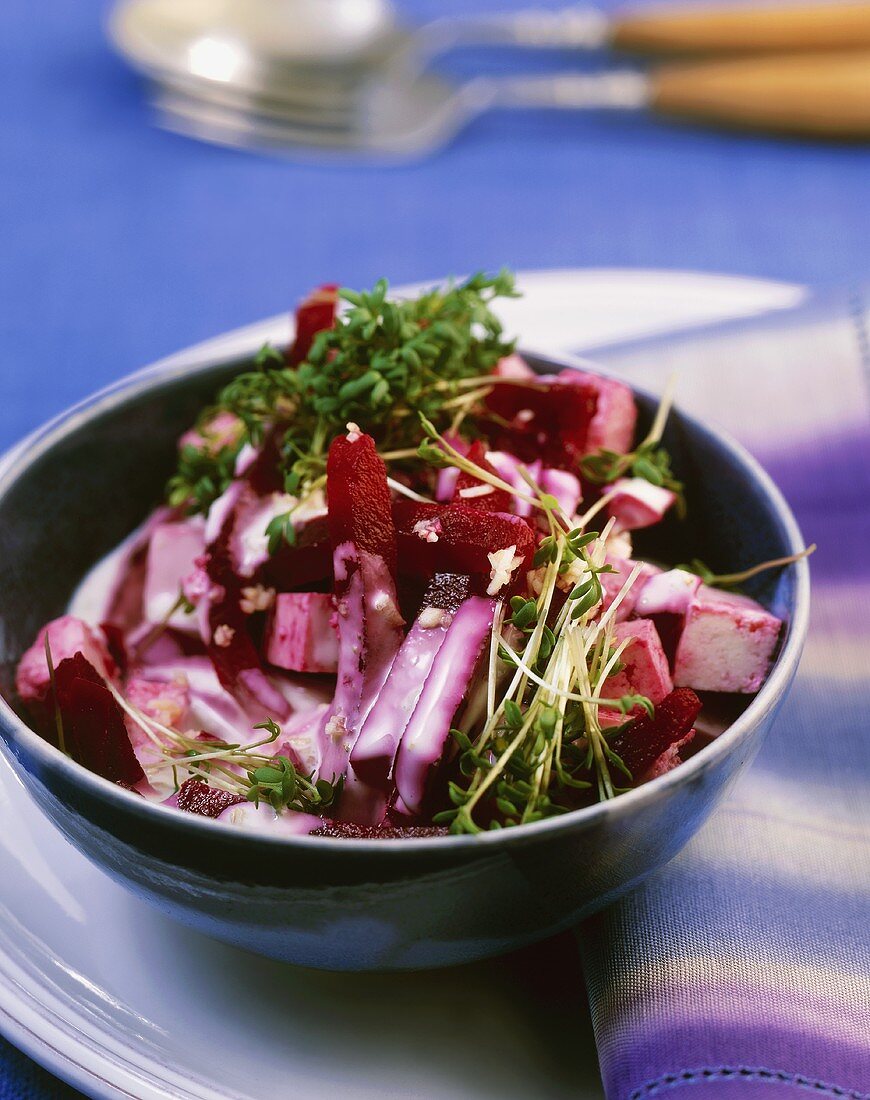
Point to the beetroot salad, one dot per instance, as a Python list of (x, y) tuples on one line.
[(392, 592)]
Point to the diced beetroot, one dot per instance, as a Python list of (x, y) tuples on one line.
[(549, 420), (199, 798), (115, 644), (358, 497), (347, 830), (314, 315), (671, 758), (613, 423), (308, 562), (643, 742), (301, 634), (454, 538), (478, 494), (93, 723), (513, 366)]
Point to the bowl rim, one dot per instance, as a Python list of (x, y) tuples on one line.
[(212, 355)]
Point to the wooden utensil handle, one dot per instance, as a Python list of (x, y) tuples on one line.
[(790, 28), (816, 95)]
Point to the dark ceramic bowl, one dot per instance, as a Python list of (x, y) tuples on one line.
[(74, 489)]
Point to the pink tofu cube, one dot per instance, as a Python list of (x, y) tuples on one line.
[(638, 503), (612, 584), (613, 423), (172, 552), (726, 644), (66, 637), (646, 669), (301, 634)]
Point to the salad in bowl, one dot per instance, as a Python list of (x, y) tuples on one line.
[(396, 590)]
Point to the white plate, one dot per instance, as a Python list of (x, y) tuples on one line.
[(119, 1001)]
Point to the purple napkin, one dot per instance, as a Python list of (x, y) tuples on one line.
[(742, 970)]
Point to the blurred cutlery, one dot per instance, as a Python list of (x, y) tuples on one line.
[(313, 48), (812, 95)]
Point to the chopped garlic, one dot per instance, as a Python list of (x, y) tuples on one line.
[(427, 530), (504, 563), (430, 618), (223, 635), (336, 728), (256, 598)]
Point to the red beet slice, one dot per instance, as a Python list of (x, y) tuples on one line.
[(453, 538), (358, 497), (494, 500), (114, 636), (93, 723), (199, 798), (643, 742), (551, 424), (303, 566), (313, 315)]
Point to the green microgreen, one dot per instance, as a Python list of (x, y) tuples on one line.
[(735, 580), (383, 363)]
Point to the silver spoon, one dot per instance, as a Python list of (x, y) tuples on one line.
[(315, 48)]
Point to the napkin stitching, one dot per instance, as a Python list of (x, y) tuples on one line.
[(745, 1073)]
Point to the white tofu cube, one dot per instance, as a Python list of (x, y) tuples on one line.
[(726, 644)]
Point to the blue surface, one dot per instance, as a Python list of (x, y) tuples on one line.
[(121, 243)]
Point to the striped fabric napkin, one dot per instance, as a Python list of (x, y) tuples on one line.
[(742, 970)]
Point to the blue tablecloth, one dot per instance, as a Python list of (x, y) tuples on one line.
[(121, 243)]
